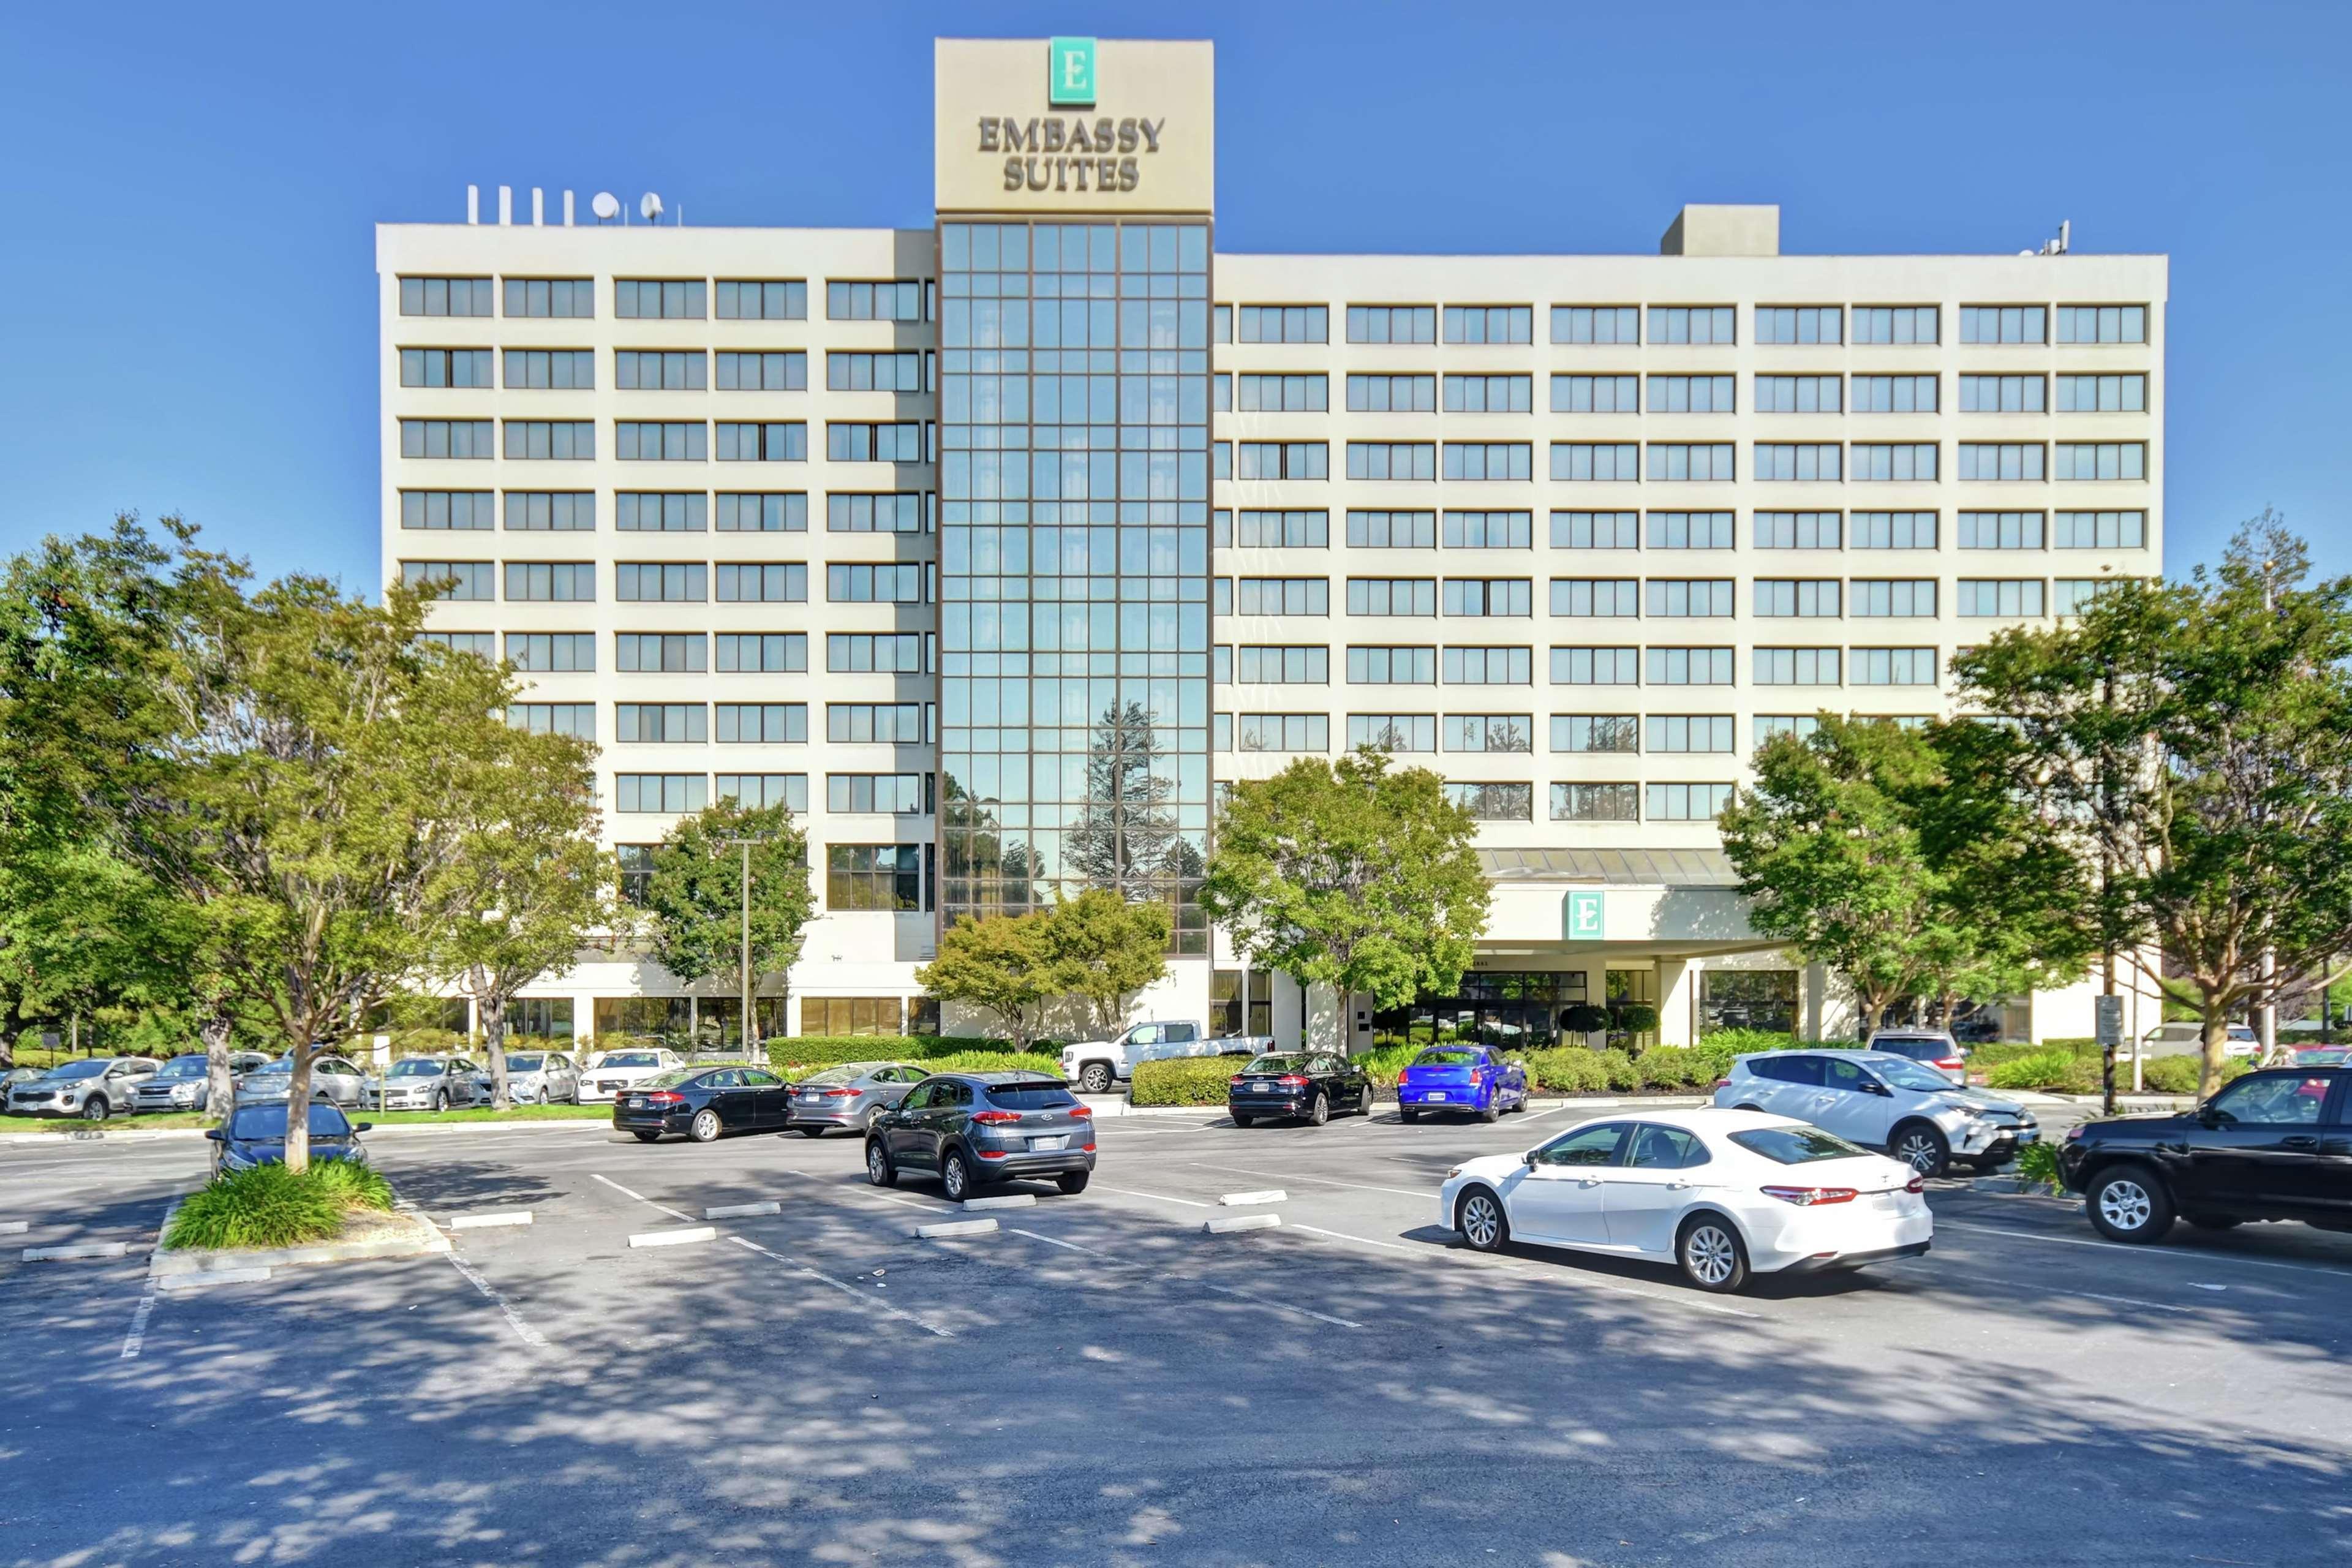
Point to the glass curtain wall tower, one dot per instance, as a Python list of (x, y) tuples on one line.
[(1074, 519)]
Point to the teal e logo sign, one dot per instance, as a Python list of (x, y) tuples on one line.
[(1583, 921), (1070, 73)]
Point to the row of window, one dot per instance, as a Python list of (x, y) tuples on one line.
[(674, 298), (1658, 598), (1669, 462), (1508, 734), (1311, 529), (668, 370), (666, 440), (1252, 392), (680, 582), (670, 511), (691, 653), (1682, 324), (736, 723)]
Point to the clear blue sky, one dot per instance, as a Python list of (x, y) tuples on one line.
[(187, 292)]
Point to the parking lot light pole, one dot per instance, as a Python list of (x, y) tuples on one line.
[(744, 1025)]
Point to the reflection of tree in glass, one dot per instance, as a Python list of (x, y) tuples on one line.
[(1125, 837), (983, 872)]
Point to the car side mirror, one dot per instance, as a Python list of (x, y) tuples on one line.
[(1528, 1158), (1879, 1089), (217, 1134), (363, 1126), (2209, 1116)]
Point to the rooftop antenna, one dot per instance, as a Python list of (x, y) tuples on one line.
[(2057, 244), (649, 207), (606, 206)]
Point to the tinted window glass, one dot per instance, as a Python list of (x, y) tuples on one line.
[(730, 1079), (1585, 1146), (1031, 1096), (1789, 1069), (1839, 1073), (759, 1078), (1797, 1145), (2271, 1100), (917, 1099), (1666, 1148), (1273, 1063), (269, 1121)]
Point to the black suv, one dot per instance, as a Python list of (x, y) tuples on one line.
[(2269, 1145), (971, 1128)]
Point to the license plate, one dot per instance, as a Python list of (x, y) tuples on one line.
[(1437, 1094), (1268, 1088), (1042, 1145), (2029, 1135), (808, 1099), (636, 1104)]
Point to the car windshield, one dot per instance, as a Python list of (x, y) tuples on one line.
[(847, 1072), (281, 1068), (266, 1121), (671, 1078), (524, 1063), (1906, 1074), (1271, 1063), (2322, 1055), (183, 1066), (628, 1059), (416, 1066), (1797, 1145), (94, 1068), (1450, 1058), (1031, 1096)]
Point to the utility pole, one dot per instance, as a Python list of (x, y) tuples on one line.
[(745, 1029)]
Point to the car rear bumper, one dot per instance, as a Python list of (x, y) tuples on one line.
[(1267, 1105), (845, 1118), (1860, 1259), (1450, 1097), (1827, 1239), (668, 1120), (1017, 1164)]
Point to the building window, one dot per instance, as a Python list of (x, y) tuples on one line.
[(2102, 459), (1796, 530), (766, 581), (660, 792), (2001, 598), (901, 300), (1286, 732), (445, 367), (1598, 530), (2100, 531), (1284, 394), (651, 441), (1472, 460), (455, 580), (1895, 666), (779, 441), (1274, 665), (1799, 667), (1493, 802), (1675, 733), (2102, 394), (899, 441), (1770, 727), (464, 438), (1596, 667), (2004, 324), (779, 371), (1391, 393), (1599, 461), (1490, 530), (763, 653), (1687, 665), (749, 299), (553, 653), (1596, 803), (1892, 531), (551, 296), (1489, 393), (662, 370), (762, 723), (883, 653), (1489, 324), (1616, 733), (1895, 394), (1391, 324), (1286, 324), (1415, 733), (901, 372), (822, 1016), (662, 582), (1601, 393), (777, 513), (1687, 802), (1377, 460), (1680, 598), (461, 509), (1782, 461), (645, 511), (2103, 323), (863, 583), (2001, 531), (1391, 596), (1899, 462), (1894, 324), (761, 790), (577, 719), (1693, 324), (1285, 596), (1596, 324), (1290, 460), (897, 511), (551, 511), (658, 653), (1896, 598), (1795, 394), (1392, 529), (2011, 460), (558, 440), (648, 299), (561, 582), (660, 723), (1285, 529), (1799, 324), (1391, 667), (1689, 531), (1673, 461), (2002, 393), (1489, 666), (637, 871), (2069, 594), (1603, 598), (899, 794), (445, 297), (553, 369), (1506, 733), (880, 724)]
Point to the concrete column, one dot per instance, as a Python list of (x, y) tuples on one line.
[(584, 1018), (1289, 1010), (1325, 1019), (1677, 1000), (1812, 1000)]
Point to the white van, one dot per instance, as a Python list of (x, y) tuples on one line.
[(2188, 1039)]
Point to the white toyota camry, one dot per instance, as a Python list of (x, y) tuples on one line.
[(1722, 1194)]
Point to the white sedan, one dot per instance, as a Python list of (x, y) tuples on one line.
[(605, 1074), (1723, 1194)]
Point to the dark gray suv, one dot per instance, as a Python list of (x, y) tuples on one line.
[(973, 1128)]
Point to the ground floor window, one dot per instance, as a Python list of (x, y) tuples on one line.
[(650, 1016), (1517, 1009), (1747, 999), (1633, 1009), (874, 876), (852, 1016), (546, 1017), (1241, 1001)]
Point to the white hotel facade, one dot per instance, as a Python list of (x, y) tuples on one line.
[(927, 531)]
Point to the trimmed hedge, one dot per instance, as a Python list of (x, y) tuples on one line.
[(1743, 1042), (1183, 1080), (947, 1061)]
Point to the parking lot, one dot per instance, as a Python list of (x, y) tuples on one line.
[(1101, 1382)]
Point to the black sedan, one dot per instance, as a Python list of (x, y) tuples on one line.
[(255, 1135), (704, 1103), (1313, 1085), (2269, 1145), (971, 1127)]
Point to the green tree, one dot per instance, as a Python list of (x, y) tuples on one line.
[(1000, 964), (527, 886), (1351, 875), (1105, 949), (1126, 833), (2194, 741), (693, 900)]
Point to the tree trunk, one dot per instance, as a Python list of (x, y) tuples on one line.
[(492, 1007), (297, 1108), (2216, 1044), (220, 1090)]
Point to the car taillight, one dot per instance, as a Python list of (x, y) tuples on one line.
[(993, 1154), (665, 1097), (1088, 1148), (1916, 1184), (2074, 1132), (1723, 1083), (995, 1118), (1294, 1079), (835, 1093), (1952, 1063), (1236, 1081), (1811, 1197), (1082, 1110)]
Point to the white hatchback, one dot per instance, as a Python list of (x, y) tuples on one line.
[(1721, 1194)]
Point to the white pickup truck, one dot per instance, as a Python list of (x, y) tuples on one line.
[(1096, 1065)]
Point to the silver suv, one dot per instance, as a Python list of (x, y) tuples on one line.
[(1883, 1101), (182, 1084), (93, 1088)]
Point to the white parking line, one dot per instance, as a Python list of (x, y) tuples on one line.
[(1320, 1181), (678, 1213), (1157, 1197), (137, 1337), (523, 1330), (1195, 1279), (1574, 1281), (2198, 1257), (848, 1288)]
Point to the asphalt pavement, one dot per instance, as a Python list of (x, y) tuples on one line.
[(1098, 1382)]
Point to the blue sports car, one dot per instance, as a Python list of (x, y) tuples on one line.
[(1461, 1077)]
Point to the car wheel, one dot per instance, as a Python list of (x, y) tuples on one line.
[(2129, 1203), (1372, 1098), (2213, 1221), (1071, 1183), (1094, 1079), (1480, 1219), (955, 1177), (704, 1127), (1922, 1148), (644, 1135), (1407, 1117), (1712, 1255), (878, 1168), (1490, 1111), (95, 1110), (542, 1096), (1319, 1111), (441, 1100), (1242, 1121)]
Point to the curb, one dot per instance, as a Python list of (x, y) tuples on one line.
[(673, 1238), (167, 1134), (421, 1244), (2019, 1187), (955, 1228), (1227, 1223), (1003, 1201)]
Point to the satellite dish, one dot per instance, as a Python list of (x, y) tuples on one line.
[(605, 206), (649, 207)]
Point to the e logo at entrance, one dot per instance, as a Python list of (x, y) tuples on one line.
[(1070, 73), (1581, 917)]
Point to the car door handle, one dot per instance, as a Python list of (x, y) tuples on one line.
[(1677, 1186), (2301, 1141), (1588, 1181)]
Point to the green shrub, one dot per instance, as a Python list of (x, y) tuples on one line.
[(1666, 1066), (2179, 1075), (1741, 1042), (2039, 1162), (950, 1061), (352, 1185), (1571, 1069), (811, 1051), (1619, 1073), (1184, 1080), (264, 1206), (2059, 1070)]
